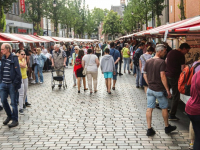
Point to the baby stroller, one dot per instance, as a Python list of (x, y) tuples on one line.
[(58, 78)]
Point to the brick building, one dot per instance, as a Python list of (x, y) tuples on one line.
[(192, 9)]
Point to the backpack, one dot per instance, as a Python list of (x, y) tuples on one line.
[(136, 58), (184, 82)]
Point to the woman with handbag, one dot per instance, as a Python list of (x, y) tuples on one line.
[(90, 63), (126, 56), (78, 70)]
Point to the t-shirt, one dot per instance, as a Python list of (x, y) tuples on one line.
[(143, 59), (44, 51), (174, 61), (125, 52), (153, 67), (193, 104), (23, 71), (115, 54), (6, 71), (91, 66), (198, 67)]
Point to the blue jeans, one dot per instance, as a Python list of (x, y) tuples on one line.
[(126, 62), (26, 99), (6, 89), (138, 77), (134, 70), (36, 70), (115, 76), (67, 62)]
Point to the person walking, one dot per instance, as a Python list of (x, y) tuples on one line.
[(10, 82), (175, 63), (136, 59), (58, 60), (126, 56), (24, 86), (116, 56), (78, 70), (108, 68), (119, 48), (74, 55), (91, 63), (192, 108), (158, 88), (142, 62), (97, 50), (39, 65)]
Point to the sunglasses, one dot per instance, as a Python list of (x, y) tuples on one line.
[(23, 54), (75, 49)]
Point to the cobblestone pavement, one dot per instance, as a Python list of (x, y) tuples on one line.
[(62, 119)]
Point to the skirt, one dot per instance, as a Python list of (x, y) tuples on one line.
[(80, 73)]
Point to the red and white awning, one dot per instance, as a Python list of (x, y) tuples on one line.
[(48, 38), (14, 37), (61, 39), (5, 40)]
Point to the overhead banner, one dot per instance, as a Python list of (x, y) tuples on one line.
[(22, 4)]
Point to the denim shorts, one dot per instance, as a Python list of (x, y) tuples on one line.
[(153, 95), (108, 75)]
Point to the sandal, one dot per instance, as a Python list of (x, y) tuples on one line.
[(113, 88), (74, 85), (85, 89), (109, 93), (91, 93), (95, 91)]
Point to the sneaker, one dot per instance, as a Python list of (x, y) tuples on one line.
[(169, 129), (13, 124), (150, 132), (1, 108), (27, 104), (191, 146), (24, 106), (41, 82), (21, 112), (33, 82), (7, 121), (173, 118)]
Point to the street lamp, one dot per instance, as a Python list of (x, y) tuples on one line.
[(54, 5)]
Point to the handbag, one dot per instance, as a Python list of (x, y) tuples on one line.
[(85, 68)]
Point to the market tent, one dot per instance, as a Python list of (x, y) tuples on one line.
[(61, 39), (15, 37), (48, 38), (5, 40), (84, 40), (35, 38)]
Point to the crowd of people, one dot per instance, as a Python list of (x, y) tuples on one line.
[(156, 66)]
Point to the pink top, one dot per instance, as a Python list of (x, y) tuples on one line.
[(193, 104)]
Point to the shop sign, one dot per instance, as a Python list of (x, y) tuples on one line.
[(22, 3), (22, 31)]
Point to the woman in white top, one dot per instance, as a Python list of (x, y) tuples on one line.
[(91, 62)]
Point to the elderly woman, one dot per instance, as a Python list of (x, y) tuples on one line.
[(40, 60), (91, 63)]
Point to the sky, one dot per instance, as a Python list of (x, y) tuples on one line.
[(102, 3)]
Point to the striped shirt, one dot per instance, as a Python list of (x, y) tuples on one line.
[(6, 71)]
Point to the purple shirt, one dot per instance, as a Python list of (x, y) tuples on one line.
[(198, 67)]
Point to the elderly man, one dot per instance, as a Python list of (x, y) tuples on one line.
[(10, 82), (58, 60), (154, 75)]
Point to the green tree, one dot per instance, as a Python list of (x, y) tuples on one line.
[(90, 24), (5, 6), (35, 12), (157, 7), (112, 23), (182, 9), (2, 20)]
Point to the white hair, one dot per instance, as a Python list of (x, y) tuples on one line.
[(160, 47), (76, 47), (57, 45)]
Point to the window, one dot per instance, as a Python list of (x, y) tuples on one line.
[(17, 8), (13, 8)]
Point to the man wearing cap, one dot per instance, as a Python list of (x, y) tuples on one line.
[(154, 75)]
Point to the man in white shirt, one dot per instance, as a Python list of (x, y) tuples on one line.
[(44, 50)]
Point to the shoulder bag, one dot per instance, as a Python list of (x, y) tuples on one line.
[(85, 68)]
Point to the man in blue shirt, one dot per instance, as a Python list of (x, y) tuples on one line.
[(116, 56), (136, 58)]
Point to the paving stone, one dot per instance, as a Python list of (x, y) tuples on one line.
[(64, 119)]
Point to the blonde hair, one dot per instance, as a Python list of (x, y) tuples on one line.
[(64, 47), (38, 51)]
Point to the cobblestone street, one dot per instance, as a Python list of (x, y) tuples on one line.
[(64, 119)]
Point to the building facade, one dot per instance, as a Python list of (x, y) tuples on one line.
[(15, 23), (119, 9), (192, 9)]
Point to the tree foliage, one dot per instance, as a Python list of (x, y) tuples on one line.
[(112, 23), (2, 20)]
